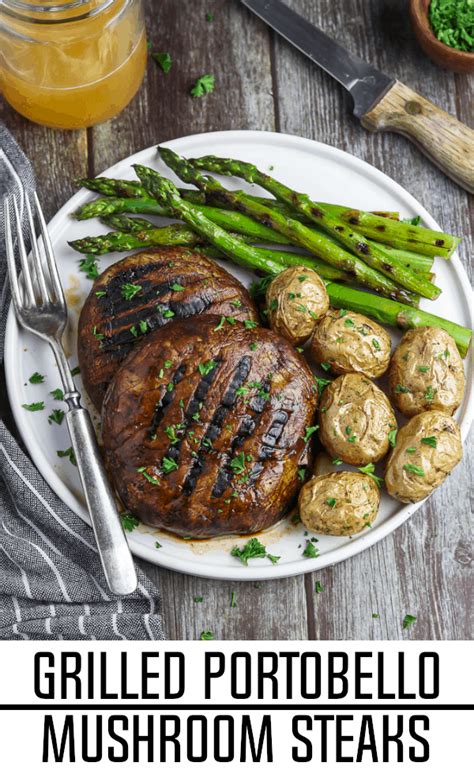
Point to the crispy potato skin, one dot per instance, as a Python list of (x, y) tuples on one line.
[(357, 502), (350, 342), (434, 462), (355, 419), (296, 299), (426, 372)]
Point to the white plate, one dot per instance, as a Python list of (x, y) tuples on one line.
[(326, 174)]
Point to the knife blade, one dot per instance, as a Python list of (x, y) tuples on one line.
[(381, 103), (365, 83)]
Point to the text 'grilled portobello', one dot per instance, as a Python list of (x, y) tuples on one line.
[(143, 292), (205, 427)]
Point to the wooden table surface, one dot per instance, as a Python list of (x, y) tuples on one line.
[(425, 567)]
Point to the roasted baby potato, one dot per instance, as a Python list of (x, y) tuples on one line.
[(355, 418), (339, 503), (296, 299), (349, 342), (426, 372), (428, 447)]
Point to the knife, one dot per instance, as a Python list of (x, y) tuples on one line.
[(380, 102)]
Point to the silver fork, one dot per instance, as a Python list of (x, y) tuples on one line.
[(40, 308)]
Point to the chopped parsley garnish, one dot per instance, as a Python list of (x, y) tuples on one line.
[(322, 383), (414, 469), (129, 521), (423, 369), (318, 587), (36, 406), (410, 450), (302, 278), (309, 432), (336, 461), (273, 305), (207, 636), (326, 367), (253, 346), (56, 416), (236, 303), (250, 324), (177, 287), (349, 322), (130, 290), (342, 313), (142, 328), (430, 393), (168, 314), (207, 367), (57, 394), (76, 370), (408, 620), (203, 85), (100, 293), (198, 599), (242, 391), (253, 549), (168, 464), (412, 220), (392, 437), (163, 60), (331, 501), (430, 441), (68, 453), (157, 544), (310, 552), (238, 463), (151, 479), (369, 471), (171, 432), (402, 389), (229, 319), (36, 378), (233, 602), (89, 266), (97, 335), (376, 343), (375, 615), (302, 474)]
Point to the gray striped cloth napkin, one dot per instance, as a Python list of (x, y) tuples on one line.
[(51, 583)]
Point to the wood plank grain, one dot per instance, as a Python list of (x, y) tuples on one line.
[(232, 47), (424, 567)]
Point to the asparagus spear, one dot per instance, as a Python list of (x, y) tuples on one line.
[(384, 310), (355, 242), (124, 188), (172, 235), (398, 234), (229, 220), (392, 313), (313, 241)]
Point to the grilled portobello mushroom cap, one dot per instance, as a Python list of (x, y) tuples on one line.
[(205, 427), (144, 292)]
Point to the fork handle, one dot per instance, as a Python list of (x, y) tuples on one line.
[(117, 561)]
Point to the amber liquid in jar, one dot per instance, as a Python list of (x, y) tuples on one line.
[(71, 64)]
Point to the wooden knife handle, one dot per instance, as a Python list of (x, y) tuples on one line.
[(446, 141)]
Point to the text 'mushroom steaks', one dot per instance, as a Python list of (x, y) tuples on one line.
[(206, 427), (144, 292)]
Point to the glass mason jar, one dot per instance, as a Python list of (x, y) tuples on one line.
[(71, 63)]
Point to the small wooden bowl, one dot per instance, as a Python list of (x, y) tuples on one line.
[(441, 54)]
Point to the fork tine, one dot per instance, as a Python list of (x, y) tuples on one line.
[(36, 254), (48, 250), (15, 290), (23, 258)]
